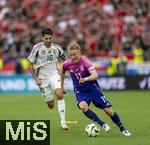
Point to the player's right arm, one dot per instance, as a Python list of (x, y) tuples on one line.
[(32, 60), (62, 76), (34, 73)]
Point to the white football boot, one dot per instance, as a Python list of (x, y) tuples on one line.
[(64, 126), (106, 127), (126, 132)]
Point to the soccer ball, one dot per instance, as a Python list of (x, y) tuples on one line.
[(92, 130)]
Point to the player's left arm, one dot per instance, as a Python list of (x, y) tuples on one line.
[(93, 76), (62, 56)]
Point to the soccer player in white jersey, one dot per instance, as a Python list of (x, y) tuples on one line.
[(43, 66)]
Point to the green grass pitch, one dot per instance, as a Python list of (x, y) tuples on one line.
[(132, 106)]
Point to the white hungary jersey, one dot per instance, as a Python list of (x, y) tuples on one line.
[(45, 59)]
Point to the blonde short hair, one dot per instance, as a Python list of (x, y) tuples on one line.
[(73, 45)]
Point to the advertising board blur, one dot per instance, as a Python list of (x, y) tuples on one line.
[(26, 84)]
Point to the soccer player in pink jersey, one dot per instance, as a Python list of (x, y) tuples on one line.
[(87, 89)]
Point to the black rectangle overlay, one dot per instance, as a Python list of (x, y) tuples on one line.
[(25, 132)]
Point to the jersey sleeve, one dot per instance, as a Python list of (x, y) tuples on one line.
[(61, 53), (88, 65), (33, 55)]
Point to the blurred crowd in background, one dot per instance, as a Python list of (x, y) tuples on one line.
[(116, 30)]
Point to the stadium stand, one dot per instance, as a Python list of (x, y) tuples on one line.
[(106, 29)]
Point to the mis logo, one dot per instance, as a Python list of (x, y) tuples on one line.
[(25, 132)]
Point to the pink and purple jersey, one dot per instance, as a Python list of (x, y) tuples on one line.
[(76, 70)]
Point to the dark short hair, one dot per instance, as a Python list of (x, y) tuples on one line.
[(47, 31)]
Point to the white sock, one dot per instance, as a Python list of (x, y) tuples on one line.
[(61, 109)]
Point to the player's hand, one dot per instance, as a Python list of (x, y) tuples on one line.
[(64, 91), (38, 81), (81, 80)]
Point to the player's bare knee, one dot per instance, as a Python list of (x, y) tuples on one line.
[(60, 97), (109, 111), (83, 106), (50, 105), (59, 94)]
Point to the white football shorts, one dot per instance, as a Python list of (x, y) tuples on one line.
[(49, 85)]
